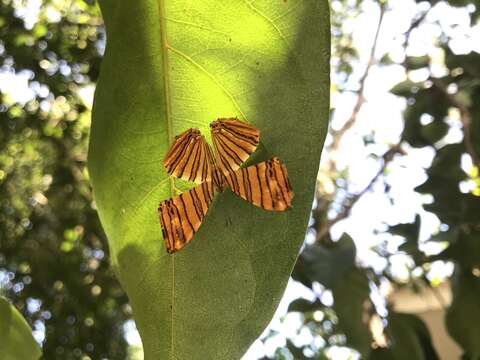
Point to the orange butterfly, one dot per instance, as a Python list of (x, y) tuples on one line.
[(190, 158)]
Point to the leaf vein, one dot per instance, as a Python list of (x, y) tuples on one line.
[(289, 11), (150, 192), (270, 21), (212, 77), (198, 26), (168, 110)]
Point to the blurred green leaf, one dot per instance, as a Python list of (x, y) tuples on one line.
[(434, 131), (353, 307), (469, 63), (304, 306), (463, 315), (431, 102), (455, 208), (324, 263), (417, 62), (410, 338), (164, 73), (16, 340), (444, 175), (406, 88), (464, 249), (410, 231), (295, 351), (381, 354), (386, 60)]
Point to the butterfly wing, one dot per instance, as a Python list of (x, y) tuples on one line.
[(190, 158), (181, 216), (264, 185), (234, 141)]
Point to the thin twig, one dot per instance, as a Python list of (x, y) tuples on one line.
[(353, 199), (388, 156), (337, 135), (416, 23)]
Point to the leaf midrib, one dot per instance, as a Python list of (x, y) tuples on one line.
[(165, 66), (168, 115)]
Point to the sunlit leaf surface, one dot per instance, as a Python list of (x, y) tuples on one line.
[(172, 65)]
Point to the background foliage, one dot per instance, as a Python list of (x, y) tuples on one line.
[(53, 253)]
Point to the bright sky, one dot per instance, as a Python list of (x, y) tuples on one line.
[(382, 116)]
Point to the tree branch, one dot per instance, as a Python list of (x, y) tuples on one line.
[(347, 208), (417, 22), (337, 135)]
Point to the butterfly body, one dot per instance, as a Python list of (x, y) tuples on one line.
[(190, 158)]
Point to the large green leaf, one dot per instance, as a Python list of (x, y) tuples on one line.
[(172, 65), (16, 340)]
